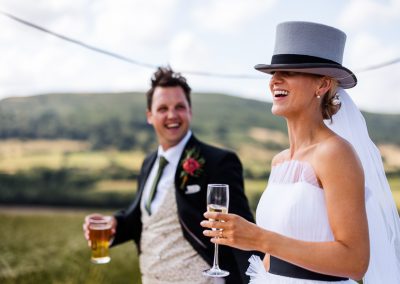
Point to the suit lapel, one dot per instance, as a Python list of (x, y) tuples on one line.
[(192, 143), (147, 165)]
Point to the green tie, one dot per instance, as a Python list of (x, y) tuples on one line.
[(161, 165)]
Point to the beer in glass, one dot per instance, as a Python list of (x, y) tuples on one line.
[(100, 235)]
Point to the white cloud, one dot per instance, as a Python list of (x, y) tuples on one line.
[(228, 15), (361, 13), (188, 52), (365, 49), (38, 62), (378, 90), (134, 22), (378, 87), (219, 36), (373, 38)]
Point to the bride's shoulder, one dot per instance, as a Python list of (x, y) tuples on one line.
[(280, 157), (333, 146), (335, 152)]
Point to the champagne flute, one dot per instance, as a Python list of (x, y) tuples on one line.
[(217, 201)]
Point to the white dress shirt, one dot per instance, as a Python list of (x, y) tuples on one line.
[(168, 176)]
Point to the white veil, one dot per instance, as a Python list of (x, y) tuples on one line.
[(383, 218)]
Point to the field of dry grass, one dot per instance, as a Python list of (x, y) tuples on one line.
[(23, 155), (45, 245), (18, 155), (391, 156)]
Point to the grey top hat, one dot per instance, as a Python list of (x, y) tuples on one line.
[(310, 48)]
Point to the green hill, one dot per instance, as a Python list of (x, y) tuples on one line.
[(118, 119), (41, 165)]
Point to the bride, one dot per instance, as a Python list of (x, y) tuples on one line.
[(327, 214)]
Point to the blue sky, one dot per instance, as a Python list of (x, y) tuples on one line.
[(218, 36)]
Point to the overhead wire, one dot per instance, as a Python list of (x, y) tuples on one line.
[(85, 45), (116, 55), (148, 65), (378, 66)]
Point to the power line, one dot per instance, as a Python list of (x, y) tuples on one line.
[(152, 66), (85, 45), (379, 65), (118, 56)]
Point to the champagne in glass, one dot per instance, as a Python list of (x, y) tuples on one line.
[(217, 201), (217, 208)]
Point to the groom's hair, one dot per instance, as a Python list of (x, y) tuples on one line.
[(166, 77)]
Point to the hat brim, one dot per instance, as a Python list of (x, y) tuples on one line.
[(344, 76)]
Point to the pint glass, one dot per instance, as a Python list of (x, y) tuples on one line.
[(100, 234)]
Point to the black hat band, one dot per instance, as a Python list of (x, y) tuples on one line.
[(299, 59)]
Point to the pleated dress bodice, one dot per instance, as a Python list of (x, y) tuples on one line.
[(293, 205)]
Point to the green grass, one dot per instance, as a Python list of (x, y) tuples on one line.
[(395, 187), (49, 247), (119, 186), (394, 183), (16, 155)]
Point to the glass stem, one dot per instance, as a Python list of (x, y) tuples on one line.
[(216, 262)]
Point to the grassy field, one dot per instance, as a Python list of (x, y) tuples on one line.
[(17, 155), (47, 246), (395, 187)]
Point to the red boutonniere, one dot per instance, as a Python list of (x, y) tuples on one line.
[(192, 165)]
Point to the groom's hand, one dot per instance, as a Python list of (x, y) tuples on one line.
[(94, 216)]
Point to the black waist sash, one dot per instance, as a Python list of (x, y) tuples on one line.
[(283, 268)]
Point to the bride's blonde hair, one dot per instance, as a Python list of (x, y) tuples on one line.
[(330, 104)]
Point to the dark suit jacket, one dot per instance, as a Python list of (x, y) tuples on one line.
[(221, 166)]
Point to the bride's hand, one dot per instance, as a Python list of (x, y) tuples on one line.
[(235, 231)]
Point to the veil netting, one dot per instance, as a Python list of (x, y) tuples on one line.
[(383, 218)]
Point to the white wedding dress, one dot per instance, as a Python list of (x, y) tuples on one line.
[(292, 205)]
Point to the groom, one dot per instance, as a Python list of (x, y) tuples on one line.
[(164, 219)]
